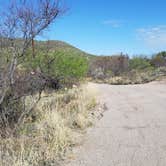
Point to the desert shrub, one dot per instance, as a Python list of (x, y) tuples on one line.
[(106, 66), (10, 111), (30, 83), (65, 68), (13, 109), (138, 77), (139, 63), (51, 130), (159, 59)]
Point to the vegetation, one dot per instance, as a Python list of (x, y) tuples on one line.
[(61, 46), (39, 118), (102, 67), (121, 69), (159, 59), (139, 63), (21, 23), (67, 68), (51, 129), (41, 124), (42, 105)]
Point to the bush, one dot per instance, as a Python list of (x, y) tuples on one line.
[(10, 111), (159, 59), (65, 67), (106, 66), (139, 63), (51, 130)]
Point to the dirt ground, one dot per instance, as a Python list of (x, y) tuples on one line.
[(132, 131)]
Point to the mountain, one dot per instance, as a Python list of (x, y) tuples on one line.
[(56, 45)]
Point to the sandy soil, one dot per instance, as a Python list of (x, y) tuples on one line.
[(132, 131)]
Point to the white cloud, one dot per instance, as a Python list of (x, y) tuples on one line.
[(153, 37), (113, 23)]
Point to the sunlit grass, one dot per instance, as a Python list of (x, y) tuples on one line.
[(51, 130)]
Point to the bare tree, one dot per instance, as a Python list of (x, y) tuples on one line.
[(20, 24), (105, 66)]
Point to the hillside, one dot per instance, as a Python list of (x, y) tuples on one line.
[(60, 46), (51, 45)]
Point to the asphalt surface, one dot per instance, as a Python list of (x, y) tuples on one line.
[(132, 131)]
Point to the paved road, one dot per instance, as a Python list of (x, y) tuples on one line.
[(132, 131)]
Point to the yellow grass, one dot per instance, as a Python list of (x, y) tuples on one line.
[(51, 129)]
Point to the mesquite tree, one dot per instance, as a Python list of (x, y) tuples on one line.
[(20, 24)]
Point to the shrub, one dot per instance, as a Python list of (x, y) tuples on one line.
[(106, 66), (139, 63), (65, 67), (10, 111), (51, 130), (159, 59)]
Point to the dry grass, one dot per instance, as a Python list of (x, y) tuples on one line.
[(136, 77), (51, 129)]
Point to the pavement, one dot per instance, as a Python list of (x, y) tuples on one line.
[(132, 131)]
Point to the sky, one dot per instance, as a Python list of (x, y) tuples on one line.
[(106, 27)]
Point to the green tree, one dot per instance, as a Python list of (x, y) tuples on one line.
[(139, 63), (159, 59), (66, 67)]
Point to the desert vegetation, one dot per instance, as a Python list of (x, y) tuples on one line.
[(121, 69), (51, 129), (43, 107), (45, 101)]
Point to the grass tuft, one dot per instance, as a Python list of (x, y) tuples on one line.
[(51, 130)]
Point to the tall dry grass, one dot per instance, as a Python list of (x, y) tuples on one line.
[(51, 130)]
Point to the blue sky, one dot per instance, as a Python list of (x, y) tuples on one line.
[(112, 26)]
